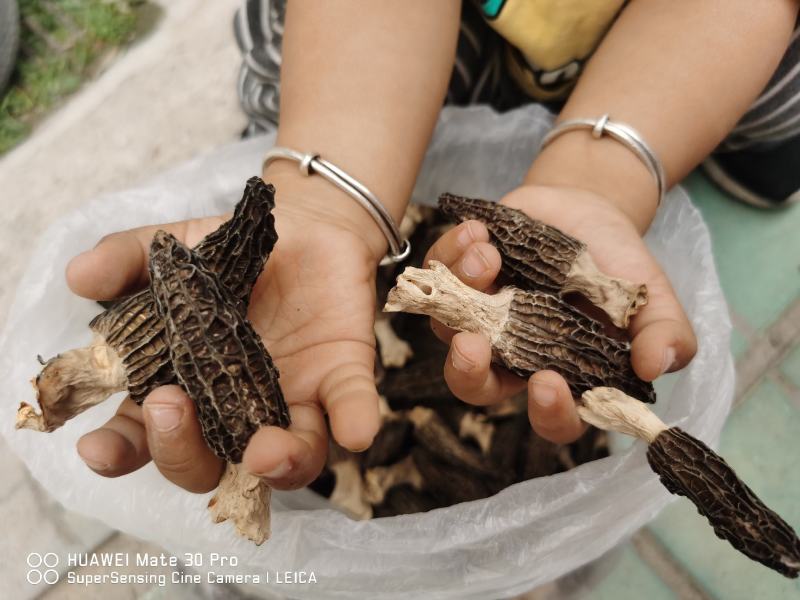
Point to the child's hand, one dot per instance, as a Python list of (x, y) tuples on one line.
[(314, 308), (662, 338)]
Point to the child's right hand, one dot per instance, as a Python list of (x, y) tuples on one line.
[(662, 338), (313, 306)]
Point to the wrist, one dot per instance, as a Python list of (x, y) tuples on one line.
[(570, 209), (601, 166), (318, 200)]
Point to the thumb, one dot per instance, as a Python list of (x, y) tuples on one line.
[(117, 265), (663, 340), (176, 441)]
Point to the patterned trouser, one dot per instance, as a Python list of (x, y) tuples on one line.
[(479, 76)]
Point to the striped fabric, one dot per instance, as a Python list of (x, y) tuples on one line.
[(480, 76), (258, 27), (775, 116)]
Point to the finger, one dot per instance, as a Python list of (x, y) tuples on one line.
[(120, 446), (349, 396), (551, 409), (452, 245), (663, 346), (442, 332), (117, 265), (663, 339), (478, 267), (290, 458), (470, 376), (176, 442)]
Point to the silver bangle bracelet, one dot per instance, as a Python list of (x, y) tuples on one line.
[(624, 134), (399, 249)]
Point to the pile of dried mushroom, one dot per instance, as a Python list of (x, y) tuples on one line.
[(190, 327)]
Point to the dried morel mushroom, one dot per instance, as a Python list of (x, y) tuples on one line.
[(392, 442), (190, 327), (687, 467), (348, 490), (539, 257), (539, 459), (129, 350), (379, 480), (529, 331), (446, 484), (431, 433), (419, 382), (223, 366), (403, 499)]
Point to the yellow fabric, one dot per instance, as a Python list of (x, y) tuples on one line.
[(551, 40)]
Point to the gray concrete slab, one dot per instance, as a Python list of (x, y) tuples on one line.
[(169, 97)]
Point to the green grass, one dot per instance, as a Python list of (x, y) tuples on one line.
[(59, 54)]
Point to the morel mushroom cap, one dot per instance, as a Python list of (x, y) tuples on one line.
[(539, 257), (216, 354), (687, 467)]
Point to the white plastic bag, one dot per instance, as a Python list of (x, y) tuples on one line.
[(528, 534)]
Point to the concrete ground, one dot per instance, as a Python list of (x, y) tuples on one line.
[(171, 97), (168, 98)]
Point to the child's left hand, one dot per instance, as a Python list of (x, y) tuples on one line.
[(662, 338)]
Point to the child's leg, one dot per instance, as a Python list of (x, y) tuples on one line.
[(258, 27), (759, 162)]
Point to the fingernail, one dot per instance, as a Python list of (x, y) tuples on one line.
[(668, 360), (474, 263), (544, 394), (96, 466), (278, 472), (466, 236), (461, 362), (164, 417)]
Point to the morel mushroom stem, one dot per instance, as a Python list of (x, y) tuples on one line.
[(244, 499), (477, 426), (687, 467), (511, 406), (528, 331), (379, 480), (72, 382), (349, 492), (610, 409), (538, 256), (394, 351), (618, 298)]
